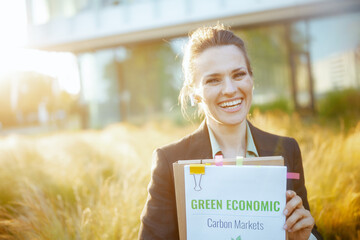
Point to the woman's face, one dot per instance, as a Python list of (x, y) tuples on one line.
[(223, 85)]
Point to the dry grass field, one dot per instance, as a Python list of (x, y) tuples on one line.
[(92, 184)]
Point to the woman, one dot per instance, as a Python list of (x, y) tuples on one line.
[(218, 77)]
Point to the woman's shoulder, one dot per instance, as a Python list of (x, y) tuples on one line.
[(270, 143), (195, 145)]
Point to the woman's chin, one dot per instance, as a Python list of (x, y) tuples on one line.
[(234, 122), (228, 121)]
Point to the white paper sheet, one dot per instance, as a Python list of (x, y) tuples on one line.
[(236, 202)]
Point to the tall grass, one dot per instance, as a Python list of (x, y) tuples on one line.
[(92, 184), (331, 163)]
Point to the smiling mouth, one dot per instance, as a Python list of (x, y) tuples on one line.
[(231, 104)]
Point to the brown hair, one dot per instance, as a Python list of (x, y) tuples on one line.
[(200, 40)]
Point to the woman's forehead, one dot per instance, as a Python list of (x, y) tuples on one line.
[(219, 60)]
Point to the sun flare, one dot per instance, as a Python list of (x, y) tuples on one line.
[(13, 57)]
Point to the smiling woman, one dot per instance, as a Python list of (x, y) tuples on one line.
[(218, 77), (223, 89), (223, 85)]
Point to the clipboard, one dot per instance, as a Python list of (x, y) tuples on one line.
[(178, 168)]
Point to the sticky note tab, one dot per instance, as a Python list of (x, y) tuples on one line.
[(239, 161), (219, 160), (293, 175), (197, 169)]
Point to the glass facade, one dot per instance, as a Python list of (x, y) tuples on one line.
[(134, 82), (269, 59), (43, 11), (293, 61), (335, 52)]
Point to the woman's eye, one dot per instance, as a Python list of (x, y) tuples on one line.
[(239, 75), (212, 81)]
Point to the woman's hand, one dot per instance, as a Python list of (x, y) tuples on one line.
[(299, 221)]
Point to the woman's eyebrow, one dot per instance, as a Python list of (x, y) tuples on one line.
[(212, 75), (218, 74), (238, 69)]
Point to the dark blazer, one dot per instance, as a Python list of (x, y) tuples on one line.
[(159, 217)]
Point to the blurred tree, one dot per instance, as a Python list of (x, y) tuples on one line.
[(268, 54), (31, 89), (30, 98), (280, 62), (148, 78)]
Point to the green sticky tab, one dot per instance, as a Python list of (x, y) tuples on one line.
[(239, 161)]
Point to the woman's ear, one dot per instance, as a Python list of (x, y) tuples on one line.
[(194, 98)]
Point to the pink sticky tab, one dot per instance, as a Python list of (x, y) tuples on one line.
[(218, 160), (293, 175)]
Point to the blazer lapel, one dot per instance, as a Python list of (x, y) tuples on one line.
[(268, 144), (264, 145)]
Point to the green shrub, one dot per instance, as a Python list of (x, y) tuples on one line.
[(343, 107), (281, 104)]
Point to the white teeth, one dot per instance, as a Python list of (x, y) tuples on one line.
[(231, 103)]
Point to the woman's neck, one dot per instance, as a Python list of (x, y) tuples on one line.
[(231, 138)]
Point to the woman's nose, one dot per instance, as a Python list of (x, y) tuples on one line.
[(229, 87)]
